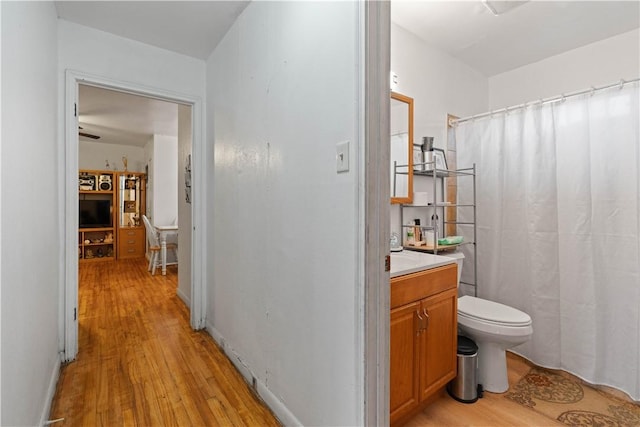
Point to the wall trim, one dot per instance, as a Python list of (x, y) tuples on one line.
[(280, 410), (51, 391), (186, 300)]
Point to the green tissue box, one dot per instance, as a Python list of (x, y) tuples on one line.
[(450, 240)]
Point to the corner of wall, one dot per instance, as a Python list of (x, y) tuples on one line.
[(277, 406), (51, 390)]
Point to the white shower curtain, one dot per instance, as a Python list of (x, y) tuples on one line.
[(558, 191)]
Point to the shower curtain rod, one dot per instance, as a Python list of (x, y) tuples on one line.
[(620, 84)]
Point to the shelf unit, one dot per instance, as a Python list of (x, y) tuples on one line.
[(97, 243), (131, 207), (436, 209)]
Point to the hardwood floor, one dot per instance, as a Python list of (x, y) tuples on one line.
[(139, 362), (492, 410)]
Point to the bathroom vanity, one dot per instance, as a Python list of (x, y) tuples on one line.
[(423, 331)]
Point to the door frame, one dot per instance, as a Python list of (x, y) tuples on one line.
[(376, 206), (69, 200)]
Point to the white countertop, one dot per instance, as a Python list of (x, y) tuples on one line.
[(406, 262)]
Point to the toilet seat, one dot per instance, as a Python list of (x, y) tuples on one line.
[(484, 311)]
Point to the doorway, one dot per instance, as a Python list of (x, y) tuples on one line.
[(187, 118)]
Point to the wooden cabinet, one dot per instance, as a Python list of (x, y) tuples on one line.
[(131, 242), (423, 331), (131, 207), (96, 200)]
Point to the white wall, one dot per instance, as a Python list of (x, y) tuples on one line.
[(439, 85), (93, 155), (103, 54), (164, 182), (184, 208), (597, 64), (30, 239), (283, 289)]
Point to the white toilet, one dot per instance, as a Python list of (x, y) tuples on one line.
[(495, 328)]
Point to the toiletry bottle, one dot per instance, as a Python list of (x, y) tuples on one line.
[(410, 236), (417, 233)]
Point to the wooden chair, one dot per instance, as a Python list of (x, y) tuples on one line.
[(154, 247)]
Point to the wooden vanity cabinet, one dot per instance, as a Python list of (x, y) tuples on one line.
[(423, 338)]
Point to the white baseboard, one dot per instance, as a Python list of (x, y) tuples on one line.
[(284, 415), (51, 391), (183, 297)]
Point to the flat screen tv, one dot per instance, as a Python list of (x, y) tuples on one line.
[(95, 213)]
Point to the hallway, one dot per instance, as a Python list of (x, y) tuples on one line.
[(139, 362)]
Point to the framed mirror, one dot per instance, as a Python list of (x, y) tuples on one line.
[(401, 145)]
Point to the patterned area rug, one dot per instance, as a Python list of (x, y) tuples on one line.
[(571, 401)]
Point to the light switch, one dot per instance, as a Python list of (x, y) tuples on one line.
[(342, 156)]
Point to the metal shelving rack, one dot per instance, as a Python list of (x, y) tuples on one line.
[(439, 178)]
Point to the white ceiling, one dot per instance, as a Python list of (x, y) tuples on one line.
[(525, 32), (122, 118), (528, 32), (192, 28)]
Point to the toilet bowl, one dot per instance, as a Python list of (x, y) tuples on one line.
[(495, 328)]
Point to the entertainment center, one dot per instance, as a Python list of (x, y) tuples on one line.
[(110, 209)]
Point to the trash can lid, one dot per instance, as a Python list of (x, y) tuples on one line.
[(466, 346)]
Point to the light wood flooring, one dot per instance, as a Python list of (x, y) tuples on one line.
[(492, 410), (139, 362)]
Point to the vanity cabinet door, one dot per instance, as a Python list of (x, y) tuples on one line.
[(404, 360), (438, 342)]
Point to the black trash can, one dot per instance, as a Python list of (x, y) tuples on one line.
[(464, 387)]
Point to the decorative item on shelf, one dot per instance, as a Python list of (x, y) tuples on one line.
[(100, 253), (110, 252), (440, 158), (87, 241), (108, 238), (88, 254), (129, 206), (125, 162), (136, 220)]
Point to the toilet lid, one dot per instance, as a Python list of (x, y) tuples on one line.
[(492, 312)]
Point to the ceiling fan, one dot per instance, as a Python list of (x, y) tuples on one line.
[(87, 135)]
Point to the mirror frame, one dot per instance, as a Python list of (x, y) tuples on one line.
[(409, 199)]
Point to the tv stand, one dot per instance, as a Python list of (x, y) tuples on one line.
[(97, 243)]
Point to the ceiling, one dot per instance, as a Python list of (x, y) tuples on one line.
[(193, 28), (123, 118), (523, 32)]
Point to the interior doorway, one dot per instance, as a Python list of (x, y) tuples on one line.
[(128, 158), (130, 145)]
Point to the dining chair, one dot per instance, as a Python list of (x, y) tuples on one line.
[(154, 247)]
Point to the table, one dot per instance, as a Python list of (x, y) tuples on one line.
[(163, 232)]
